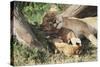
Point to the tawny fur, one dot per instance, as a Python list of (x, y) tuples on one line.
[(66, 48)]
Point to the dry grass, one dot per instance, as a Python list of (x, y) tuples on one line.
[(24, 56)]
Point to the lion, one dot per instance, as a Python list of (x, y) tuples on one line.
[(52, 21)]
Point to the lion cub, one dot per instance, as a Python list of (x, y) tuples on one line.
[(66, 48)]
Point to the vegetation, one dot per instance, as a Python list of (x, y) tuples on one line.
[(23, 55)]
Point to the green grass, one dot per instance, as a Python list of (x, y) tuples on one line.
[(23, 55)]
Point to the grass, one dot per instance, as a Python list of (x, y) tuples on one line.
[(23, 55)]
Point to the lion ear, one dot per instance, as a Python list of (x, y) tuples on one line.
[(53, 8)]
